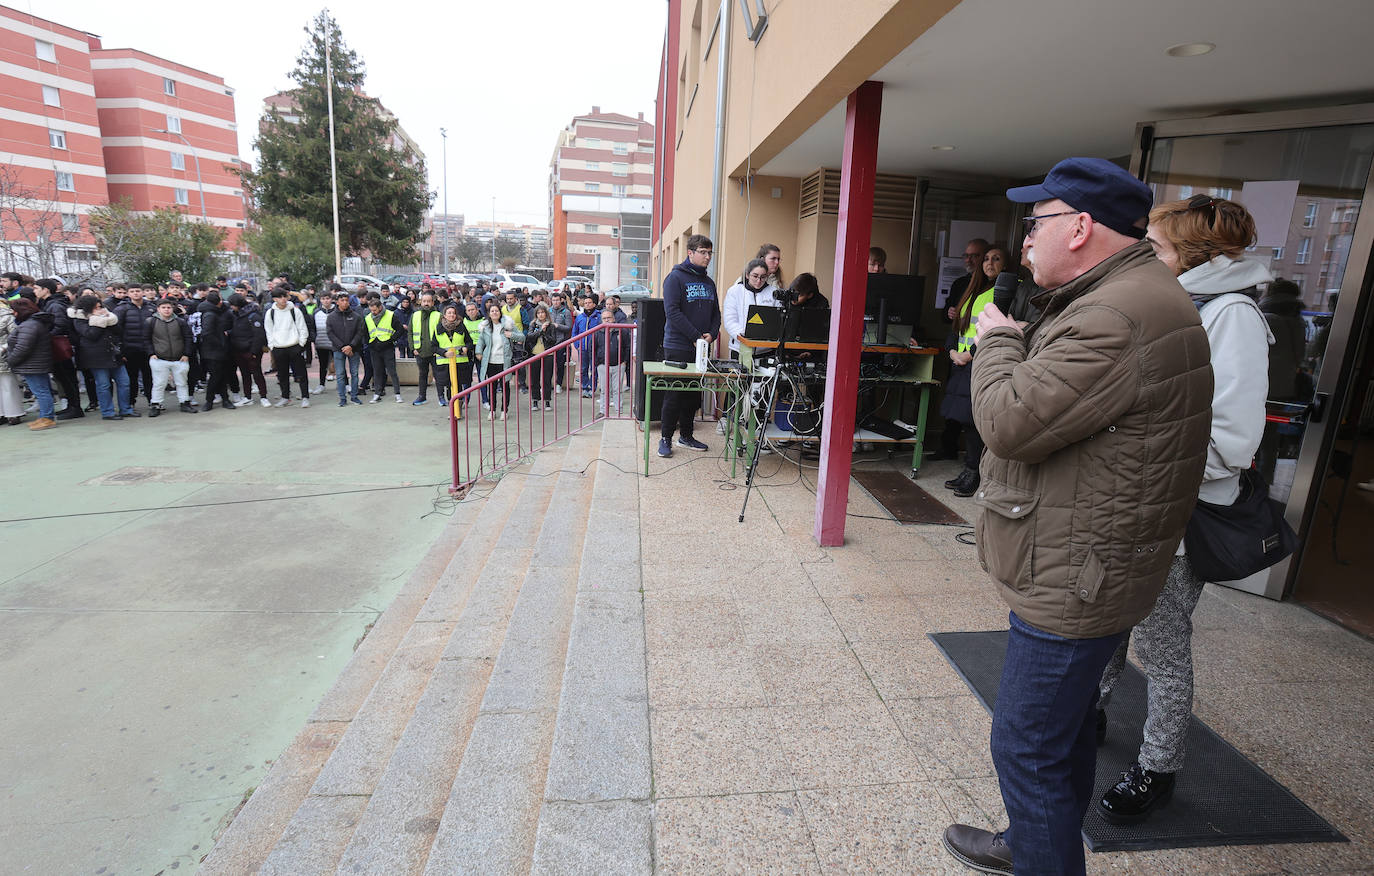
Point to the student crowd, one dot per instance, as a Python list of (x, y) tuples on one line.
[(137, 340)]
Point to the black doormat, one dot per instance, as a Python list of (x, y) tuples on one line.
[(1221, 799), (903, 499)]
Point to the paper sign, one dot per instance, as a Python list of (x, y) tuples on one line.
[(1271, 203), (951, 269), (961, 232)]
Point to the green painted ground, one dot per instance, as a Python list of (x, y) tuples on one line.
[(153, 663)]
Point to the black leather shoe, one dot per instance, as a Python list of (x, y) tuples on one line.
[(207, 406), (955, 482), (71, 413), (980, 849), (969, 486), (1131, 800), (154, 411), (1101, 727)]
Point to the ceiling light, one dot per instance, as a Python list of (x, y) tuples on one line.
[(943, 148), (1189, 50)]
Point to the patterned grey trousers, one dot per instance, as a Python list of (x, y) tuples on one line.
[(1164, 644)]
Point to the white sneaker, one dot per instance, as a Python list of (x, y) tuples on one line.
[(375, 398), (398, 398), (503, 415), (331, 377), (486, 406), (305, 402), (317, 390), (264, 402), (558, 389), (283, 402), (244, 402)]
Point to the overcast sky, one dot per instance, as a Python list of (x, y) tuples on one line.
[(503, 77)]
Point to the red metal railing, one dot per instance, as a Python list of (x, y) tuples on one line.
[(500, 424)]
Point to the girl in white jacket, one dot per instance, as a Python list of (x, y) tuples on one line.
[(1203, 240)]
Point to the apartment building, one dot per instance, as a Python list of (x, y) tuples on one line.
[(52, 171), (169, 137), (601, 187), (534, 238)]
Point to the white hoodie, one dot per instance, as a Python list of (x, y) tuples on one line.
[(286, 328), (736, 310), (1240, 339)]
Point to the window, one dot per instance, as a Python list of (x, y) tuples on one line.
[(620, 168), (619, 191), (45, 50), (169, 87), (593, 143), (592, 229), (71, 222), (178, 161), (593, 165), (1304, 251), (1278, 253), (65, 183), (1310, 219), (57, 139), (181, 197), (593, 187), (620, 149), (51, 96), (174, 124), (1300, 281), (615, 231)]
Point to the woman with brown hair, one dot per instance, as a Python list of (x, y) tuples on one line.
[(957, 405), (1203, 241)]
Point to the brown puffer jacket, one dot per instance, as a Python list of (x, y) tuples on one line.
[(1096, 442)]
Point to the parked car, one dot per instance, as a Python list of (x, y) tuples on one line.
[(351, 281), (631, 292), (567, 284), (509, 282), (405, 281)]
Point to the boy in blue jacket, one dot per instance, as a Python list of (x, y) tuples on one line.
[(692, 312)]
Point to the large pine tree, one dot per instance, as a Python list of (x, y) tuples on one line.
[(382, 188)]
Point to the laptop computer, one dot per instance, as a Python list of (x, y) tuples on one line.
[(810, 325)]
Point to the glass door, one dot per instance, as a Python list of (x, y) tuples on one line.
[(1305, 175)]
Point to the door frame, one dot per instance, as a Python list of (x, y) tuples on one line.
[(1334, 384)]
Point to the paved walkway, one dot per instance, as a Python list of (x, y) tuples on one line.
[(155, 662), (802, 722)]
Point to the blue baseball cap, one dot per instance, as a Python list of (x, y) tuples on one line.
[(1097, 187)]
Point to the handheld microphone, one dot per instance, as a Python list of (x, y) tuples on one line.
[(1004, 290)]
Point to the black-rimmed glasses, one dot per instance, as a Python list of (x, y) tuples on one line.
[(1030, 221)]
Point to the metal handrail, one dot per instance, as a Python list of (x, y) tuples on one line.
[(559, 415)]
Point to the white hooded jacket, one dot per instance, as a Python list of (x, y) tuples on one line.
[(1240, 339)]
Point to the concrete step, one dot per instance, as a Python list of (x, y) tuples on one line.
[(465, 541), (596, 815), (398, 827), (492, 812), (317, 837)]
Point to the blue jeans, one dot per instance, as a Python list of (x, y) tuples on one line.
[(103, 376), (346, 372), (1044, 746), (587, 364), (42, 391)]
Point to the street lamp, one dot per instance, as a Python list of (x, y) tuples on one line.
[(444, 133), (200, 183)]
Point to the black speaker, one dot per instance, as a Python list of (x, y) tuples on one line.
[(648, 348)]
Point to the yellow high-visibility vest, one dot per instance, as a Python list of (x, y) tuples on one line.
[(451, 340), (976, 309), (415, 326), (379, 331)]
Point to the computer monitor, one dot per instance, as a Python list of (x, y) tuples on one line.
[(894, 299)]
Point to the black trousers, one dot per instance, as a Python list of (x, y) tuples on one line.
[(423, 366), (289, 361), (382, 359), (326, 357), (136, 366), (973, 442), (217, 380), (370, 377), (541, 378), (561, 360), (679, 408), (250, 371)]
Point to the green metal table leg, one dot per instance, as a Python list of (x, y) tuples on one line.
[(921, 412)]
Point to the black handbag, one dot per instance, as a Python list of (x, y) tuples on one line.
[(1230, 542)]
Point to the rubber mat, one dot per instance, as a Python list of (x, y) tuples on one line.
[(1222, 798), (903, 499)]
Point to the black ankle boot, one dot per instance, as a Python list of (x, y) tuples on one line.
[(1140, 790), (969, 486), (957, 481)]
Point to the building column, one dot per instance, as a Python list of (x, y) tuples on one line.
[(858, 170)]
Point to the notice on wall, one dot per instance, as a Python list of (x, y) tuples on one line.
[(951, 269), (961, 232), (1271, 202)]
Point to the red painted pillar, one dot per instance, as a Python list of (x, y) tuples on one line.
[(858, 170)]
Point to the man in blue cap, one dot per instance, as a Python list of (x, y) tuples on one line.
[(1096, 420)]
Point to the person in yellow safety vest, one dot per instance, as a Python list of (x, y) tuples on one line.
[(423, 323), (381, 330), (453, 341), (957, 406), (472, 321)]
